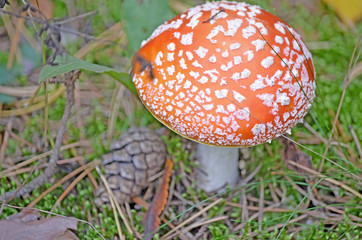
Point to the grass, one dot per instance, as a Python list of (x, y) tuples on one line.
[(288, 212)]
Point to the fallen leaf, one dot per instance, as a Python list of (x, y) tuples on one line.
[(26, 226), (293, 153), (349, 11), (151, 221)]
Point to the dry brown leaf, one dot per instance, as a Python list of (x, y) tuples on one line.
[(293, 153), (26, 226), (151, 221)]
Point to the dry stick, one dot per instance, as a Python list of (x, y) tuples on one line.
[(339, 126), (15, 42), (71, 186), (70, 160), (244, 200), (52, 165), (320, 155), (23, 170), (17, 190), (43, 155), (250, 176), (55, 214), (119, 229), (199, 224), (111, 34), (326, 178), (129, 213), (272, 193), (178, 232), (299, 189), (77, 104), (342, 213), (111, 196), (61, 181), (5, 140), (256, 208), (261, 205), (255, 215), (79, 122), (257, 200), (297, 219), (325, 141), (143, 203), (315, 133), (18, 91), (90, 175), (340, 144), (116, 100), (47, 131), (348, 78), (191, 218), (18, 138), (356, 140), (11, 32), (245, 212), (32, 108), (310, 197)]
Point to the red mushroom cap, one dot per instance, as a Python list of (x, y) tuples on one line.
[(225, 74)]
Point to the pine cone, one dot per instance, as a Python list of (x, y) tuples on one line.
[(137, 155)]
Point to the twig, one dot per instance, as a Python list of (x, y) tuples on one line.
[(272, 193), (323, 157), (23, 170), (261, 205), (356, 140), (348, 77), (71, 186), (214, 16), (40, 156), (61, 181), (5, 140), (201, 223), (315, 133), (15, 42), (329, 179), (52, 167), (255, 215), (272, 228), (144, 204), (18, 138), (70, 160), (250, 176), (166, 236), (113, 198), (271, 208)]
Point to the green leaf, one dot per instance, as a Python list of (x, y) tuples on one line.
[(125, 79), (66, 63), (141, 18), (6, 99), (7, 76)]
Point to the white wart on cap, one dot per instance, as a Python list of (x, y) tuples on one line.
[(225, 74)]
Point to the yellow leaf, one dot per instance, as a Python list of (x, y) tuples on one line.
[(350, 11)]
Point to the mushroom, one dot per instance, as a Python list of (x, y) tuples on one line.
[(225, 74)]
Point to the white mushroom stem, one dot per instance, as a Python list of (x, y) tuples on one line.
[(218, 167)]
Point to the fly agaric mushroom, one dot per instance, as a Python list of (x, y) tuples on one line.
[(225, 74)]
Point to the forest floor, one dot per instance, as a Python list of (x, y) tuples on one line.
[(271, 201)]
